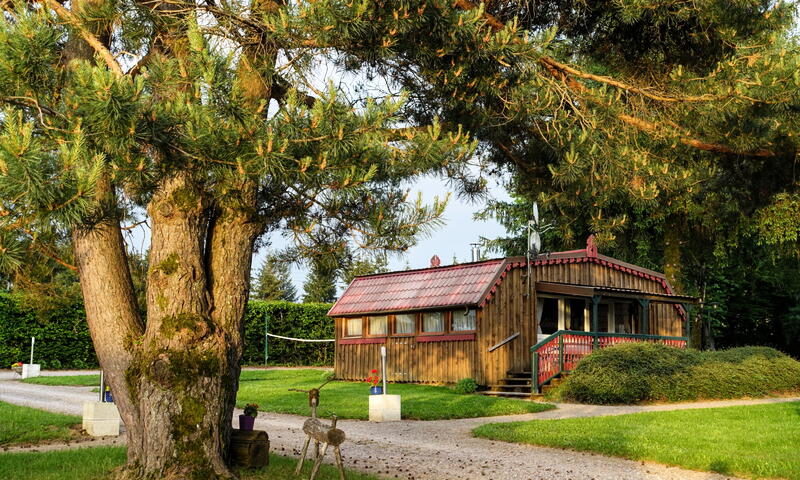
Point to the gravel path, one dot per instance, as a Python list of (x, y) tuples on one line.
[(433, 450)]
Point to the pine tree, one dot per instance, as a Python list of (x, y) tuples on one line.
[(320, 285), (273, 281)]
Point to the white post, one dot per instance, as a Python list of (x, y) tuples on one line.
[(383, 367), (33, 340)]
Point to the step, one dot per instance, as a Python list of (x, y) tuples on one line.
[(510, 388), (491, 393), (519, 374), (515, 381)]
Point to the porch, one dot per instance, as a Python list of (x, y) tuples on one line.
[(611, 315)]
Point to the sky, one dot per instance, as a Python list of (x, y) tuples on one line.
[(459, 229)]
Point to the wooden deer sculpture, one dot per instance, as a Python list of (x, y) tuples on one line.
[(320, 433)]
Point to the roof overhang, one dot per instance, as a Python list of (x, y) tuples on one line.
[(573, 290)]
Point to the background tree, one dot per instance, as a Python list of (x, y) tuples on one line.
[(320, 284), (273, 281)]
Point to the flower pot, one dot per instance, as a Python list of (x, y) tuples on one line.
[(109, 398), (246, 422), (376, 390), (17, 370)]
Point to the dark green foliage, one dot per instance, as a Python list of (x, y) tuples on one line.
[(273, 281), (466, 385), (63, 341), (320, 285), (307, 320), (642, 372), (62, 336)]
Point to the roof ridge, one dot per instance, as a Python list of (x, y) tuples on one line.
[(426, 269)]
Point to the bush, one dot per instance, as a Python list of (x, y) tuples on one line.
[(63, 340), (297, 320), (644, 372), (62, 336), (466, 385)]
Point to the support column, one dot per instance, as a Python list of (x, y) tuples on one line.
[(645, 304), (595, 317), (687, 328)]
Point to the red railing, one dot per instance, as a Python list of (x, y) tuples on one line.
[(561, 351)]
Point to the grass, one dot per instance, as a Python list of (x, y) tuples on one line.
[(67, 380), (95, 463), (24, 425), (759, 441), (269, 389)]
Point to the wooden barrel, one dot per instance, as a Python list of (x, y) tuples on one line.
[(249, 448)]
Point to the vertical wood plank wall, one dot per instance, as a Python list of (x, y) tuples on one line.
[(510, 310)]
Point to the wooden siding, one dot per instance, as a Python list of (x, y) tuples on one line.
[(508, 311)]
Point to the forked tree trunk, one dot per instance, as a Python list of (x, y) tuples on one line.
[(176, 378)]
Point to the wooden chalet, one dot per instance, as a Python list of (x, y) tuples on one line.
[(502, 322)]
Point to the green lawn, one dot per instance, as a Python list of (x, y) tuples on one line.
[(94, 464), (22, 425), (269, 389), (68, 380), (760, 441)]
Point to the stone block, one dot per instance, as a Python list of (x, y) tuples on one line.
[(30, 370), (100, 419), (384, 408)]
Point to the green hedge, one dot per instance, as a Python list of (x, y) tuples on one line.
[(643, 372), (62, 336), (297, 320), (63, 340)]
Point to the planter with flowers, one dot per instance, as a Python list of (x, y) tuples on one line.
[(17, 368), (248, 419), (374, 379)]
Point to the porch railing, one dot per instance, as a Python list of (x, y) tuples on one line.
[(561, 351)]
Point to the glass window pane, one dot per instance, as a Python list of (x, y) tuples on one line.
[(548, 321), (576, 315), (378, 325), (463, 320), (433, 322), (404, 323), (354, 327)]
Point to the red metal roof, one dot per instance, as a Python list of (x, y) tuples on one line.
[(466, 284), (456, 285)]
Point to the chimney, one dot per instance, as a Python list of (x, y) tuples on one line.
[(435, 261), (476, 252)]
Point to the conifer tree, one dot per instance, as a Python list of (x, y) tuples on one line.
[(320, 284), (273, 281)]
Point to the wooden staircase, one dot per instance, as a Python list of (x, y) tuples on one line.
[(518, 385), (515, 385)]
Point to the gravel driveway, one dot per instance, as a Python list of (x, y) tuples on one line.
[(432, 450)]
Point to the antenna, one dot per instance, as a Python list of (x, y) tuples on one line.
[(535, 231)]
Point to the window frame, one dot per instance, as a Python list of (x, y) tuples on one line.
[(414, 321), (369, 324), (452, 319), (346, 330), (445, 323)]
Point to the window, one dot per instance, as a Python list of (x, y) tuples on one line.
[(577, 310), (463, 320), (547, 311), (354, 326), (378, 325), (404, 323), (433, 322)]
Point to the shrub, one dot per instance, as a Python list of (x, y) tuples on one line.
[(63, 340), (466, 385), (643, 372)]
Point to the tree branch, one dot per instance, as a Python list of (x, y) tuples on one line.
[(88, 36), (563, 72)]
